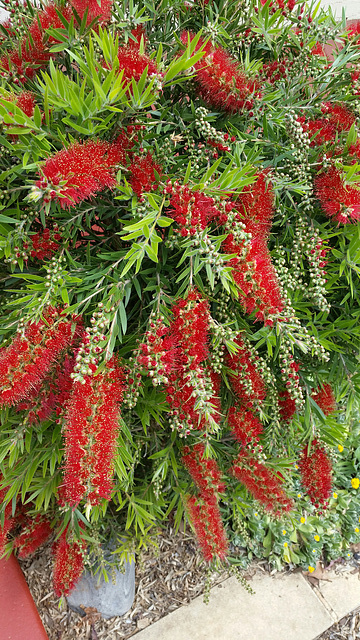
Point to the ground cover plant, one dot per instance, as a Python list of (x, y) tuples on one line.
[(180, 296)]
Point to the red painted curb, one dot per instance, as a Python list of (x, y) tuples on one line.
[(19, 618)]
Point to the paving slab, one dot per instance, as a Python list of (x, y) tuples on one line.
[(284, 607), (341, 592)]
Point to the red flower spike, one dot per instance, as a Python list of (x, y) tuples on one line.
[(261, 482), (316, 473), (68, 565), (27, 360), (287, 406), (204, 471), (142, 174), (221, 82), (339, 200), (133, 63), (325, 399), (92, 426), (35, 532), (43, 244), (206, 519), (82, 170), (253, 271), (245, 426), (100, 10), (248, 383)]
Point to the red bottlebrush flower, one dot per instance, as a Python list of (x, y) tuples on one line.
[(44, 245), (35, 532), (100, 10), (261, 482), (192, 210), (80, 171), (337, 118), (206, 519), (325, 399), (316, 473), (204, 471), (353, 30), (339, 200), (92, 426), (248, 383), (142, 173), (253, 272), (133, 63), (68, 565), (54, 394), (190, 327), (245, 426), (276, 70), (287, 406), (33, 52), (25, 100), (318, 50), (222, 84), (28, 359)]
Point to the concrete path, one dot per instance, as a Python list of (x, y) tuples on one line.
[(284, 607)]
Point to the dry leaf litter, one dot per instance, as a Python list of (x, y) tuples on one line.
[(167, 577)]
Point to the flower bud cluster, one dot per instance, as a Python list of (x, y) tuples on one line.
[(307, 241), (55, 272), (93, 344), (299, 168), (202, 394), (288, 371), (213, 137)]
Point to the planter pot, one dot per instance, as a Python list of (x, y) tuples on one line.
[(113, 598)]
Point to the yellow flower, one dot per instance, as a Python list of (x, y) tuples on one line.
[(255, 514), (302, 520), (285, 544), (299, 495), (348, 555), (341, 448), (335, 495), (314, 550), (355, 482), (284, 532), (357, 529), (296, 466), (317, 538), (359, 519), (311, 569)]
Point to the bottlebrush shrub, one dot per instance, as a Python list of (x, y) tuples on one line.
[(180, 256)]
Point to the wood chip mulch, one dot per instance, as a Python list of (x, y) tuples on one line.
[(166, 578), (348, 628)]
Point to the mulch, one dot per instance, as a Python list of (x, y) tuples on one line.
[(167, 577)]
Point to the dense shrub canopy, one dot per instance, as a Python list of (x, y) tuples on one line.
[(180, 250)]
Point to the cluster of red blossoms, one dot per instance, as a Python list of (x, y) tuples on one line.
[(259, 480), (33, 52), (28, 532), (325, 399), (25, 101), (44, 244), (336, 118), (80, 171), (339, 200), (203, 509), (28, 359), (132, 63), (254, 273), (91, 430), (192, 390), (84, 169), (222, 84), (192, 210), (68, 564), (246, 381), (287, 406), (316, 473)]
